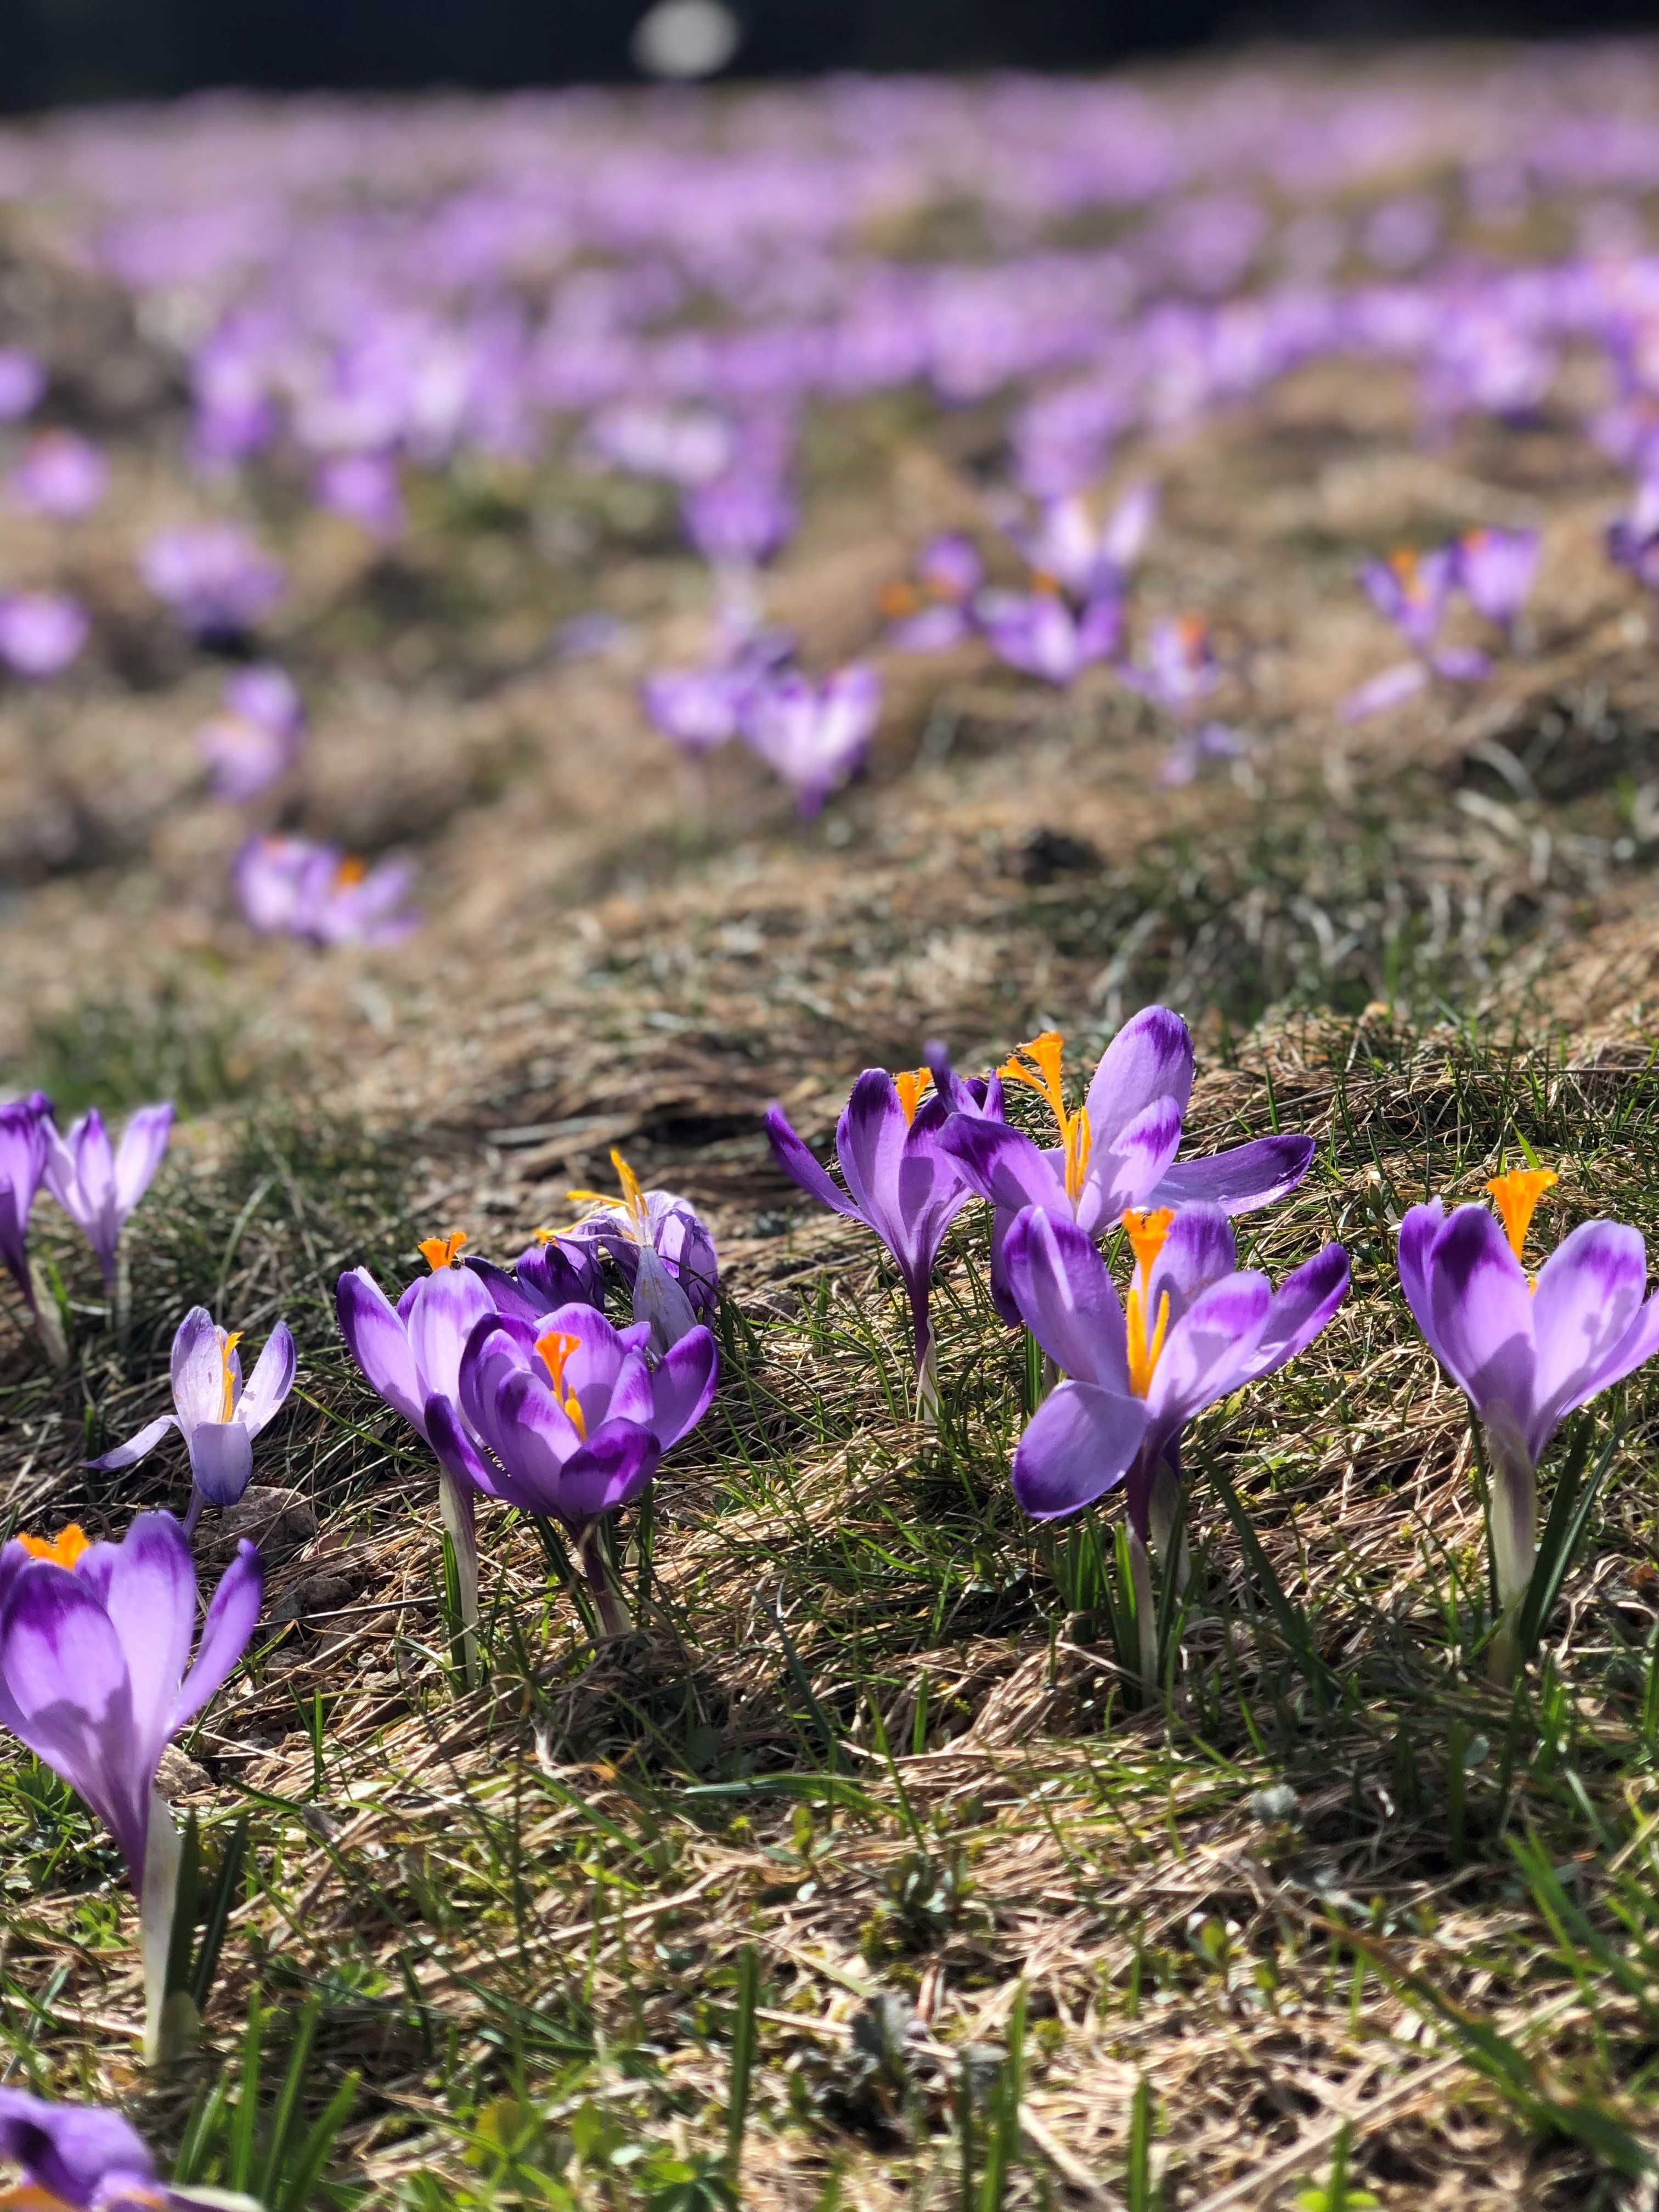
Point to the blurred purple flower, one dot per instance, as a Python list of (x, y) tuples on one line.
[(1496, 568), (256, 738), (60, 475), (215, 576), (22, 383), (87, 2158), (815, 735), (1086, 559), (98, 1185), (1633, 539), (1039, 634), (297, 887), (364, 488), (1413, 590), (741, 519), (23, 1124), (41, 632), (934, 612)]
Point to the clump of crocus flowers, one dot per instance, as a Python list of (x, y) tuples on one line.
[(97, 1184), (1493, 570)]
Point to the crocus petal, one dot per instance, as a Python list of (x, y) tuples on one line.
[(456, 1453), (1590, 1291), (452, 1303), (230, 1623), (1481, 1310), (870, 1144), (682, 1386), (1388, 690), (1130, 1163), (1079, 1443), (1238, 1180), (376, 1339), (1418, 1231), (1207, 1354), (1002, 1163), (1301, 1306), (799, 1164), (221, 1461), (69, 1699), (1059, 1285), (198, 1370), (135, 1447), (142, 1143), (271, 1382), (659, 1302), (150, 1601), (1461, 665), (1150, 1058), (68, 2151), (609, 1471), (1200, 1249)]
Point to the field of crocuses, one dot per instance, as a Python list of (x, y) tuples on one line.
[(826, 1111)]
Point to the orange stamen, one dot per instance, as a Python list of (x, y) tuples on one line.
[(556, 1349), (350, 871), (1406, 572), (897, 601), (441, 1251), (1147, 1234), (636, 1214), (1044, 1077), (1043, 581), (1143, 1344), (909, 1086), (1515, 1196), (63, 1550)]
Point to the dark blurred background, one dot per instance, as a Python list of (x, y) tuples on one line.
[(55, 50)]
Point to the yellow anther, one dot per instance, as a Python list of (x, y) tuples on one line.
[(1043, 1076), (350, 871), (556, 1349), (441, 1251), (909, 1086), (227, 1352), (63, 1550), (1144, 1345), (636, 1214), (1515, 1196)]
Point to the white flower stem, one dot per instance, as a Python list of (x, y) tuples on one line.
[(1145, 1596), (456, 1505), (614, 1619), (927, 1382), (1163, 1515), (158, 1897), (1512, 1509), (48, 1319)]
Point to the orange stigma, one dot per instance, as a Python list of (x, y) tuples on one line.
[(636, 1215), (63, 1550), (441, 1251), (1145, 1332), (1042, 581), (897, 601), (1515, 1196), (1408, 573), (352, 870), (227, 1345), (556, 1349), (909, 1086), (1043, 1076), (1147, 1233)]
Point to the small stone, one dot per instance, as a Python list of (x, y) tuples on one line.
[(278, 1521), (178, 1777), (1274, 1805), (314, 1594)]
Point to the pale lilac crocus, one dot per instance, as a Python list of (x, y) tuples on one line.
[(364, 489), (1116, 1150), (216, 578), (934, 610), (1083, 557), (89, 2158), (218, 1416), (1413, 590), (1525, 1351), (41, 633), (23, 1124), (98, 1184), (740, 519), (1193, 1329), (814, 735), (663, 1249), (410, 1355), (299, 887), (61, 475), (900, 1182), (700, 709), (256, 738), (568, 1420), (1041, 634), (1178, 674), (96, 1680)]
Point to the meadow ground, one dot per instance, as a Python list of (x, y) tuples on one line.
[(1335, 1923)]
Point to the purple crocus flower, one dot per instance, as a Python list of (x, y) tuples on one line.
[(552, 1273), (1118, 1150), (98, 1185), (1526, 1351), (364, 489), (663, 1249), (410, 1355), (1083, 558), (1633, 539), (570, 1421), (1496, 568), (740, 519), (1040, 635), (297, 887), (217, 1416), (1413, 590), (1196, 749), (936, 611), (901, 1182), (88, 2158), (22, 383), (23, 1123), (95, 1680), (41, 632), (257, 738), (1192, 1330), (215, 576), (702, 708), (815, 735), (60, 475)]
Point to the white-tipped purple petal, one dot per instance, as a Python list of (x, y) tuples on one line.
[(198, 1371), (1150, 1058), (135, 1447), (378, 1342), (271, 1382)]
